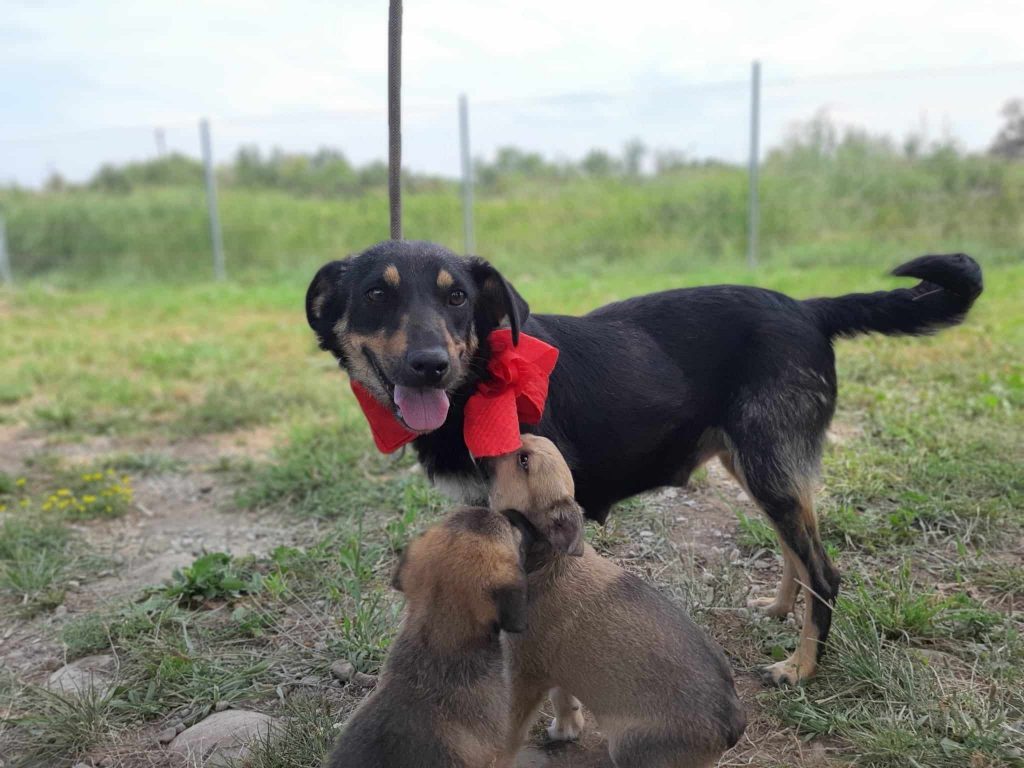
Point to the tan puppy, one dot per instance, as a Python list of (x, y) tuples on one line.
[(443, 696), (661, 690)]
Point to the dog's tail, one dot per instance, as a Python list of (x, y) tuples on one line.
[(949, 285)]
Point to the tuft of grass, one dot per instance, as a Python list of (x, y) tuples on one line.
[(235, 405), (33, 558), (7, 484), (900, 610), (143, 463), (891, 710), (55, 729), (305, 738), (86, 634), (325, 471), (755, 533)]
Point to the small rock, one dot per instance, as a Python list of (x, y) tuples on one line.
[(363, 680), (178, 726), (221, 705), (166, 736), (342, 670), (761, 564), (91, 673), (74, 584), (60, 611), (223, 737)]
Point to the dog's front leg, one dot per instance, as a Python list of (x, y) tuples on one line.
[(567, 724)]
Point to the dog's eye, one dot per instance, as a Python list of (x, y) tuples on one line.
[(457, 297), (375, 294), (524, 461)]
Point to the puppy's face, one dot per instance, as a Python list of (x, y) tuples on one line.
[(405, 319), (536, 481), (465, 576)]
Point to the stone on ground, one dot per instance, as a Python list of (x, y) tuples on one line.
[(223, 737), (88, 674)]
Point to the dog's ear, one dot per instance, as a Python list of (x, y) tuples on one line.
[(396, 577), (498, 300), (511, 602), (564, 527), (325, 298)]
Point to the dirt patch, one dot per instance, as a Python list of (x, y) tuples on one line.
[(174, 517)]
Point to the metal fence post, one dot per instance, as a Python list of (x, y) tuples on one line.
[(755, 129), (5, 259), (467, 175), (211, 200)]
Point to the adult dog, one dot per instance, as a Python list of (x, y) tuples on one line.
[(645, 390)]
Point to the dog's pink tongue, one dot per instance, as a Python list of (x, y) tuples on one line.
[(424, 409)]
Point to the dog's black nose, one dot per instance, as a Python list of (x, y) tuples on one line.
[(428, 366)]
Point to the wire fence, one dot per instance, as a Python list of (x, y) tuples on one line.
[(849, 162)]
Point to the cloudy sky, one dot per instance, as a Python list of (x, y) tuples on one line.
[(89, 81)]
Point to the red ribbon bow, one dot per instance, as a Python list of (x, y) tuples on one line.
[(515, 392)]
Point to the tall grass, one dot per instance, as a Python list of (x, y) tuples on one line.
[(825, 200)]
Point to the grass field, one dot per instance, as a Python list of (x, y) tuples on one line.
[(127, 406), (826, 199)]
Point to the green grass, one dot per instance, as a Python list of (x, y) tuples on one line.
[(54, 729), (855, 203), (305, 739), (34, 555), (921, 506)]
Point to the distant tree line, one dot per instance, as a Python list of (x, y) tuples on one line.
[(328, 173)]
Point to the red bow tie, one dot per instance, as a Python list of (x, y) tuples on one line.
[(515, 392)]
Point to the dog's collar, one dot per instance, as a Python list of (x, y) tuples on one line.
[(514, 393)]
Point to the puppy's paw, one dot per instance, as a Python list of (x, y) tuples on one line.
[(787, 672), (566, 728), (770, 607)]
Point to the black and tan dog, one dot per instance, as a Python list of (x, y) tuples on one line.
[(443, 699), (645, 390), (661, 690)]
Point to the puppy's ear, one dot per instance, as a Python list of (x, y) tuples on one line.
[(564, 527), (498, 300), (325, 298), (511, 602), (396, 577)]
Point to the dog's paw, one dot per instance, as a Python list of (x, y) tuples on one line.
[(566, 728), (787, 672), (770, 607)]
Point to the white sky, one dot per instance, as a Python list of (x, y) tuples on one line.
[(86, 82)]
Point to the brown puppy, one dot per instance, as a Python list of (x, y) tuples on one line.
[(443, 696), (662, 691)]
